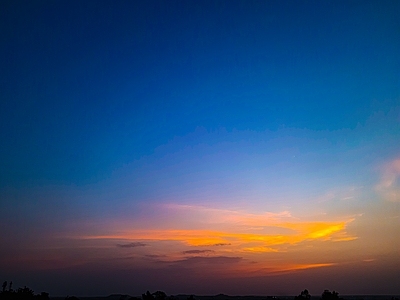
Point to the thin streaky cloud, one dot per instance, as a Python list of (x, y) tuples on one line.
[(197, 251), (210, 260), (303, 231), (131, 245)]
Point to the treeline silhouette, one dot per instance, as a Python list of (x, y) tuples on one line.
[(25, 293), (159, 295), (326, 295)]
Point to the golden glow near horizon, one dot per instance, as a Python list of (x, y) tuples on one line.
[(225, 240), (299, 231), (232, 242), (248, 241), (243, 235)]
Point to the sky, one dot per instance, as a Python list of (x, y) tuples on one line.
[(200, 147)]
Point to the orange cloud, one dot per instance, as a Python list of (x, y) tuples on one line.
[(252, 237), (265, 269), (301, 231)]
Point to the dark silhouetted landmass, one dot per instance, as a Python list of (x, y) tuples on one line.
[(25, 293)]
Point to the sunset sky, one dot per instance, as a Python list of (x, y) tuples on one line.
[(200, 147)]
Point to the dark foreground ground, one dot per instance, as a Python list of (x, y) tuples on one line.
[(226, 297)]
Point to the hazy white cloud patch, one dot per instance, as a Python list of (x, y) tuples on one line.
[(389, 184)]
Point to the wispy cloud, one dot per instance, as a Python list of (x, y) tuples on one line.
[(260, 249), (299, 267), (209, 260), (155, 255), (242, 237), (301, 231), (228, 216), (197, 251), (389, 185), (131, 245), (243, 231)]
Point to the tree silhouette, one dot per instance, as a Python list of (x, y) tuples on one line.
[(24, 293), (304, 295), (147, 296), (159, 295), (327, 295)]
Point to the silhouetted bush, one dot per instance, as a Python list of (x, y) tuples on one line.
[(147, 296), (24, 293), (304, 295), (327, 295), (159, 295)]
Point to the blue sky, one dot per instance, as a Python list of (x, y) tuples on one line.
[(158, 116)]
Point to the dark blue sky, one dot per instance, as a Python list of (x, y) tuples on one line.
[(89, 86), (181, 125)]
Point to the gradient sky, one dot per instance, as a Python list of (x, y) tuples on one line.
[(202, 147)]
